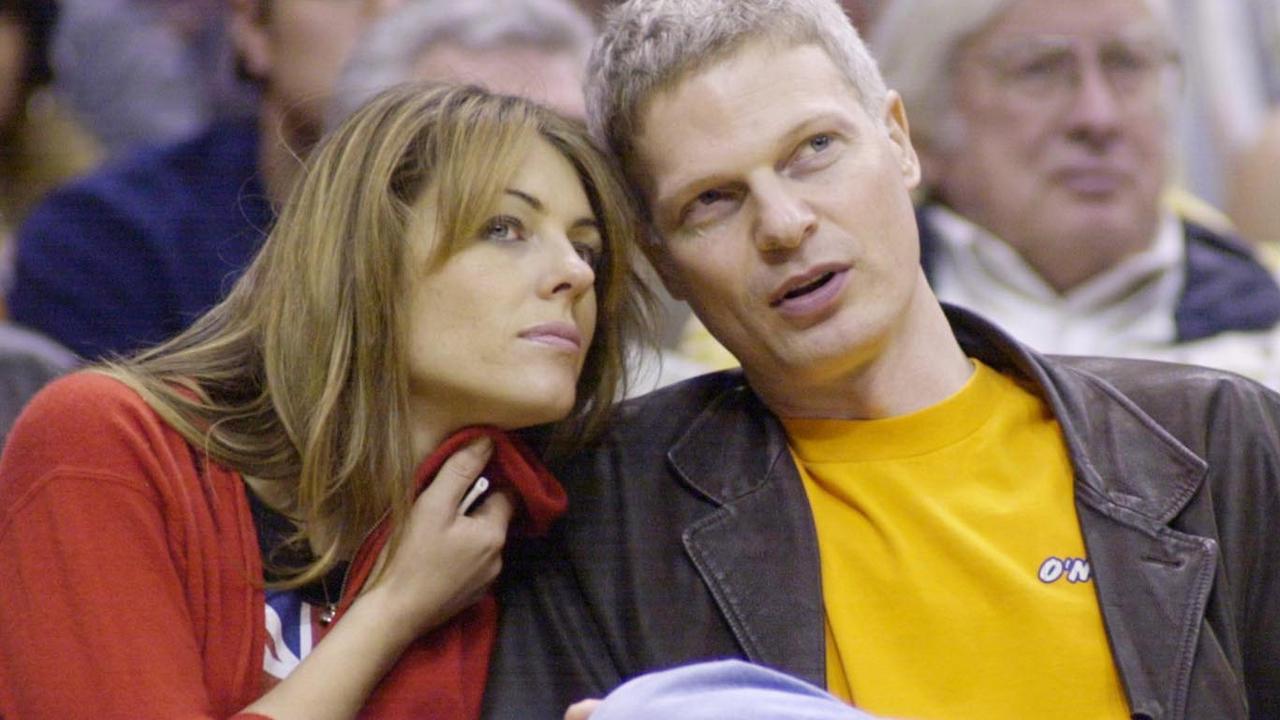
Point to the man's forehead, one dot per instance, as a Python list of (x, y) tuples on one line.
[(739, 108), (1024, 17)]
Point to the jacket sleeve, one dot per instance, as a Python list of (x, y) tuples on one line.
[(1254, 546), (549, 653), (101, 591)]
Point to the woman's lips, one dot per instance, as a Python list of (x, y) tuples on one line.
[(556, 334)]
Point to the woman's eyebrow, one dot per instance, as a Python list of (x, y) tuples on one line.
[(532, 201), (536, 204)]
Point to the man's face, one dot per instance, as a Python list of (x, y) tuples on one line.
[(784, 211), (298, 47), (1062, 141), (550, 77)]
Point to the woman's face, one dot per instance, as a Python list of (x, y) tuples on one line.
[(499, 330)]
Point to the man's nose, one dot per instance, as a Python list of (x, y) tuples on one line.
[(785, 219), (1096, 108)]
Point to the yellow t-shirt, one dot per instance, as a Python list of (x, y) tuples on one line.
[(954, 574)]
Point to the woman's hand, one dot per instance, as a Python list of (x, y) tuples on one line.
[(445, 560)]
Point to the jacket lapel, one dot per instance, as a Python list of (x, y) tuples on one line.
[(1132, 480), (1153, 582), (760, 545)]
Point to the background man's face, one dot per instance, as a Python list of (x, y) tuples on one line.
[(784, 209), (550, 77), (1063, 115), (299, 47)]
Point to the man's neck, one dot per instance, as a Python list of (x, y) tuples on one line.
[(919, 367)]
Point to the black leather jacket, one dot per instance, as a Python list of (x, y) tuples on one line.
[(689, 537)]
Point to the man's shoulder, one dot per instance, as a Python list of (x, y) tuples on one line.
[(642, 430), (1192, 403), (1087, 391), (1138, 377), (671, 409), (159, 181)]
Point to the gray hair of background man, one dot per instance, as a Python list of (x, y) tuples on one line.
[(391, 47), (916, 43), (648, 46)]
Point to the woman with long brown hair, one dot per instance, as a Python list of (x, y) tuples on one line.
[(178, 528)]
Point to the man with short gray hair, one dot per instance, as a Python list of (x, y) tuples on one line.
[(892, 500)]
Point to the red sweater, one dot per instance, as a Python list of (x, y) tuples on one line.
[(132, 587)]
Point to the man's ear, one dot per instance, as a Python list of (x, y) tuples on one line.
[(895, 121), (251, 38)]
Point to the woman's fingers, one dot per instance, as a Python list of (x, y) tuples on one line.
[(497, 507), (462, 468)]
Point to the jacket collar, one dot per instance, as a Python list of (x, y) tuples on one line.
[(1115, 464), (1124, 445), (1132, 479)]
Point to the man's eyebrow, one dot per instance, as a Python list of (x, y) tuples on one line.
[(835, 119)]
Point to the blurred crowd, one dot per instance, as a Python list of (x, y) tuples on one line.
[(145, 147)]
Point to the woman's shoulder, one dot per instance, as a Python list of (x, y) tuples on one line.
[(86, 397), (88, 422)]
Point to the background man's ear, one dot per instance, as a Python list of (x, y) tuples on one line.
[(895, 120), (251, 38)]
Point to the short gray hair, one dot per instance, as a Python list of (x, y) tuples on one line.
[(648, 46), (916, 42), (389, 50)]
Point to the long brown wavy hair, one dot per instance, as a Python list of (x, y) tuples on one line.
[(299, 378)]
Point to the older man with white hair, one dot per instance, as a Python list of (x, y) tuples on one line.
[(1045, 130)]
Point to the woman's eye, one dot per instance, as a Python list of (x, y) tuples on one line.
[(590, 254), (503, 229)]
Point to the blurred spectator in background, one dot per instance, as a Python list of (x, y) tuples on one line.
[(132, 254), (39, 146), (28, 361), (140, 72), (863, 12), (1045, 130), (1231, 129), (534, 48)]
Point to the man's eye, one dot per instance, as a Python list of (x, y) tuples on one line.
[(710, 197), (504, 229), (818, 143)]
